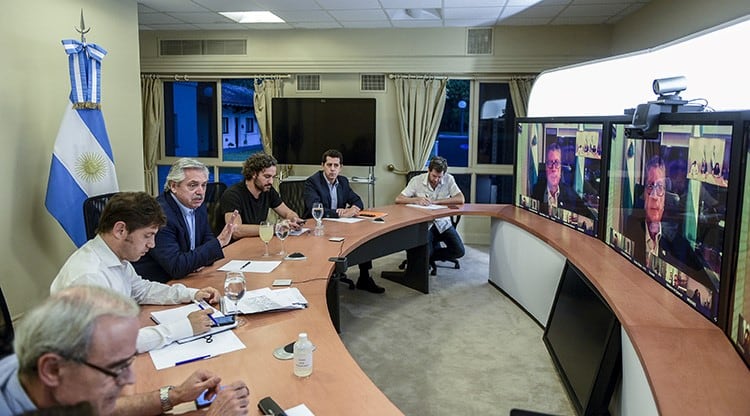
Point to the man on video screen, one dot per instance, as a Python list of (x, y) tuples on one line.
[(554, 193)]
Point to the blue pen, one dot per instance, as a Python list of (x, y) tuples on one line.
[(200, 305), (190, 360)]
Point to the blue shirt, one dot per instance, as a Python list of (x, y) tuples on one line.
[(189, 215), (13, 398), (334, 195)]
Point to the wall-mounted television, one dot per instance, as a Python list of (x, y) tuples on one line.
[(670, 204), (559, 169), (304, 128), (583, 337)]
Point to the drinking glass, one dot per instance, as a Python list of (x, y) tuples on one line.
[(234, 289), (266, 234), (317, 213), (282, 231)]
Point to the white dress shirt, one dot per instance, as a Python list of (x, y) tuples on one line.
[(96, 264)]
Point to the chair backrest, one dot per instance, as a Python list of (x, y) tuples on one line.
[(293, 195), (6, 328), (92, 210), (212, 198)]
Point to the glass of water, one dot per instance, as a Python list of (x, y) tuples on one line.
[(234, 289), (317, 213), (282, 232)]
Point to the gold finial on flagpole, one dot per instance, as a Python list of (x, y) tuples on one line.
[(83, 29)]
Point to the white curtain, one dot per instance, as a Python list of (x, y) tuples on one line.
[(265, 91), (152, 97), (420, 102), (520, 89)]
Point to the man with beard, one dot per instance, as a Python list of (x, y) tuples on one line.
[(126, 231), (186, 244), (253, 196), (78, 347)]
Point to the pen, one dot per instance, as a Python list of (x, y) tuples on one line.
[(200, 305), (190, 360), (245, 265)]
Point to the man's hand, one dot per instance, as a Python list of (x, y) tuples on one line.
[(232, 400), (199, 321), (225, 237), (208, 294), (422, 200), (194, 385), (352, 211)]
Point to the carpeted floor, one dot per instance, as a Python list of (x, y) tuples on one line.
[(463, 349)]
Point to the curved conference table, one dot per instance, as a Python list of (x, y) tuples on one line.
[(690, 366)]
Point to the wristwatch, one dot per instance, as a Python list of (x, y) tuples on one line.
[(166, 404)]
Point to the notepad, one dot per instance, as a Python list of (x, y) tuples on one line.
[(181, 312), (250, 266), (371, 214)]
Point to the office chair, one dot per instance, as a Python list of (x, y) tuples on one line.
[(454, 220), (6, 328), (293, 195), (211, 200), (92, 210)]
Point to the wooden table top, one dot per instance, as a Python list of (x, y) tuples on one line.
[(689, 362)]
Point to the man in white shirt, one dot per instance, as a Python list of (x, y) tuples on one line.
[(438, 187), (126, 231), (78, 346)]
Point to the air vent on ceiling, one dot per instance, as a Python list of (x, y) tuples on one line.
[(308, 82), (479, 41), (171, 47), (372, 82)]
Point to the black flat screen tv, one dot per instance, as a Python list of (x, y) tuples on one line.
[(304, 128), (559, 168), (672, 204), (583, 337)]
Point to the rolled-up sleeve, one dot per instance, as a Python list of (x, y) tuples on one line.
[(157, 336)]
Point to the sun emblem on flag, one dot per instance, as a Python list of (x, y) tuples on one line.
[(91, 167)]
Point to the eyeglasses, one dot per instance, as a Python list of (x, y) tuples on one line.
[(658, 187), (554, 164), (116, 373)]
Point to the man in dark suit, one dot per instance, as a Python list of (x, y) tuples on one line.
[(339, 200), (186, 243), (553, 193)]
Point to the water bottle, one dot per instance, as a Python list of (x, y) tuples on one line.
[(303, 356)]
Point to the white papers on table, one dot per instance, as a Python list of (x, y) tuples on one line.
[(253, 266), (298, 232), (299, 410), (346, 220), (181, 312), (266, 299), (199, 349), (431, 206)]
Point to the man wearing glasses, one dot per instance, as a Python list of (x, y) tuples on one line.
[(78, 346), (554, 193), (253, 197)]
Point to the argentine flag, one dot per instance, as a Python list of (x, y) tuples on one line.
[(82, 162)]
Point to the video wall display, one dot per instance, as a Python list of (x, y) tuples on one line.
[(667, 205), (559, 170), (739, 328)]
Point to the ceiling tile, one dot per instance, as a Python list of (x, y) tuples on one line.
[(411, 4), (173, 5), (359, 15), (230, 5), (198, 18), (305, 16), (157, 18), (472, 13), (349, 4)]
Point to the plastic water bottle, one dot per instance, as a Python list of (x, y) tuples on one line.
[(303, 356)]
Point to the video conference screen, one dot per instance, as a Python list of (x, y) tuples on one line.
[(667, 206), (559, 170), (739, 328)]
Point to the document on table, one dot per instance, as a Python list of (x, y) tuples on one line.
[(345, 220), (266, 299), (299, 410), (174, 314), (431, 206), (175, 354), (252, 266)]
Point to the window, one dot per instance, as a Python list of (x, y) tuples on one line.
[(190, 119)]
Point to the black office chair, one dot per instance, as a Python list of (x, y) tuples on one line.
[(92, 210), (6, 328), (293, 195), (214, 190), (454, 220)]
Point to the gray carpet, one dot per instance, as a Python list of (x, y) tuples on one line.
[(463, 349)]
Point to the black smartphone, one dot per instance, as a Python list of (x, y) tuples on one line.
[(203, 401), (224, 320)]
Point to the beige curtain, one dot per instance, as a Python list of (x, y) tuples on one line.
[(152, 96), (420, 103), (520, 89), (265, 90)]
